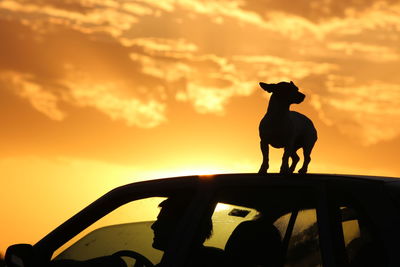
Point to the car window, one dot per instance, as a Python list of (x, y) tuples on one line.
[(250, 225), (362, 249), (126, 228), (225, 219), (301, 240), (359, 240), (303, 243)]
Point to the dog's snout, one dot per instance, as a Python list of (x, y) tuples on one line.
[(299, 98)]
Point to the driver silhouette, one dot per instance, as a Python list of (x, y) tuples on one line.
[(172, 210)]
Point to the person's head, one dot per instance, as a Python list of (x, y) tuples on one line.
[(172, 210)]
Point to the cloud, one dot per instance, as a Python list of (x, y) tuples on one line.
[(367, 112), (377, 16), (102, 16), (273, 69), (131, 60), (315, 11), (209, 81), (214, 9), (106, 99), (207, 99), (365, 51), (43, 101), (137, 9), (117, 18), (161, 45), (85, 93), (166, 70)]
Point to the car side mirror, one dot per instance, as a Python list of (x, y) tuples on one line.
[(20, 255)]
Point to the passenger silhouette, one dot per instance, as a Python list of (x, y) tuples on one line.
[(255, 243)]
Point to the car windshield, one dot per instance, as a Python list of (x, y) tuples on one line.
[(126, 228)]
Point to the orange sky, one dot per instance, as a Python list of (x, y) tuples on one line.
[(96, 94)]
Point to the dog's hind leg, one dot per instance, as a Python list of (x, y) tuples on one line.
[(285, 160), (295, 160), (265, 153), (307, 158)]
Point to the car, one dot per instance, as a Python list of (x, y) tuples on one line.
[(257, 220)]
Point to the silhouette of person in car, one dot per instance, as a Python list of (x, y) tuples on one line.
[(164, 228), (172, 210)]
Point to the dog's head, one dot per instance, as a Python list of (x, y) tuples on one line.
[(284, 91)]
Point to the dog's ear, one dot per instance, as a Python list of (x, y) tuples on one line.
[(291, 83), (267, 87)]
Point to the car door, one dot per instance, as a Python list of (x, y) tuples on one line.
[(366, 223), (249, 215), (292, 207)]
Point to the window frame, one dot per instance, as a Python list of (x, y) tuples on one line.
[(374, 205)]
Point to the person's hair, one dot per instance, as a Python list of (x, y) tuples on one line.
[(177, 205)]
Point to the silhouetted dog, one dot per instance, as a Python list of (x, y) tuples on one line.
[(282, 128)]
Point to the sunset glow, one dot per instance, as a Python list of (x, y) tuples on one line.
[(96, 94)]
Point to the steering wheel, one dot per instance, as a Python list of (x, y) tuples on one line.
[(141, 261)]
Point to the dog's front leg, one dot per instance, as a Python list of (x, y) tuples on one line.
[(307, 158), (265, 153)]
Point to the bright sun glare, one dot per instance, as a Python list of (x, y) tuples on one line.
[(188, 172)]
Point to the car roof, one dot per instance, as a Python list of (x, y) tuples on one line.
[(168, 186), (296, 191), (255, 177)]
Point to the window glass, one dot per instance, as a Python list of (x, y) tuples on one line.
[(225, 219), (361, 247), (303, 247), (247, 237), (250, 224), (126, 228), (230, 221), (351, 228)]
